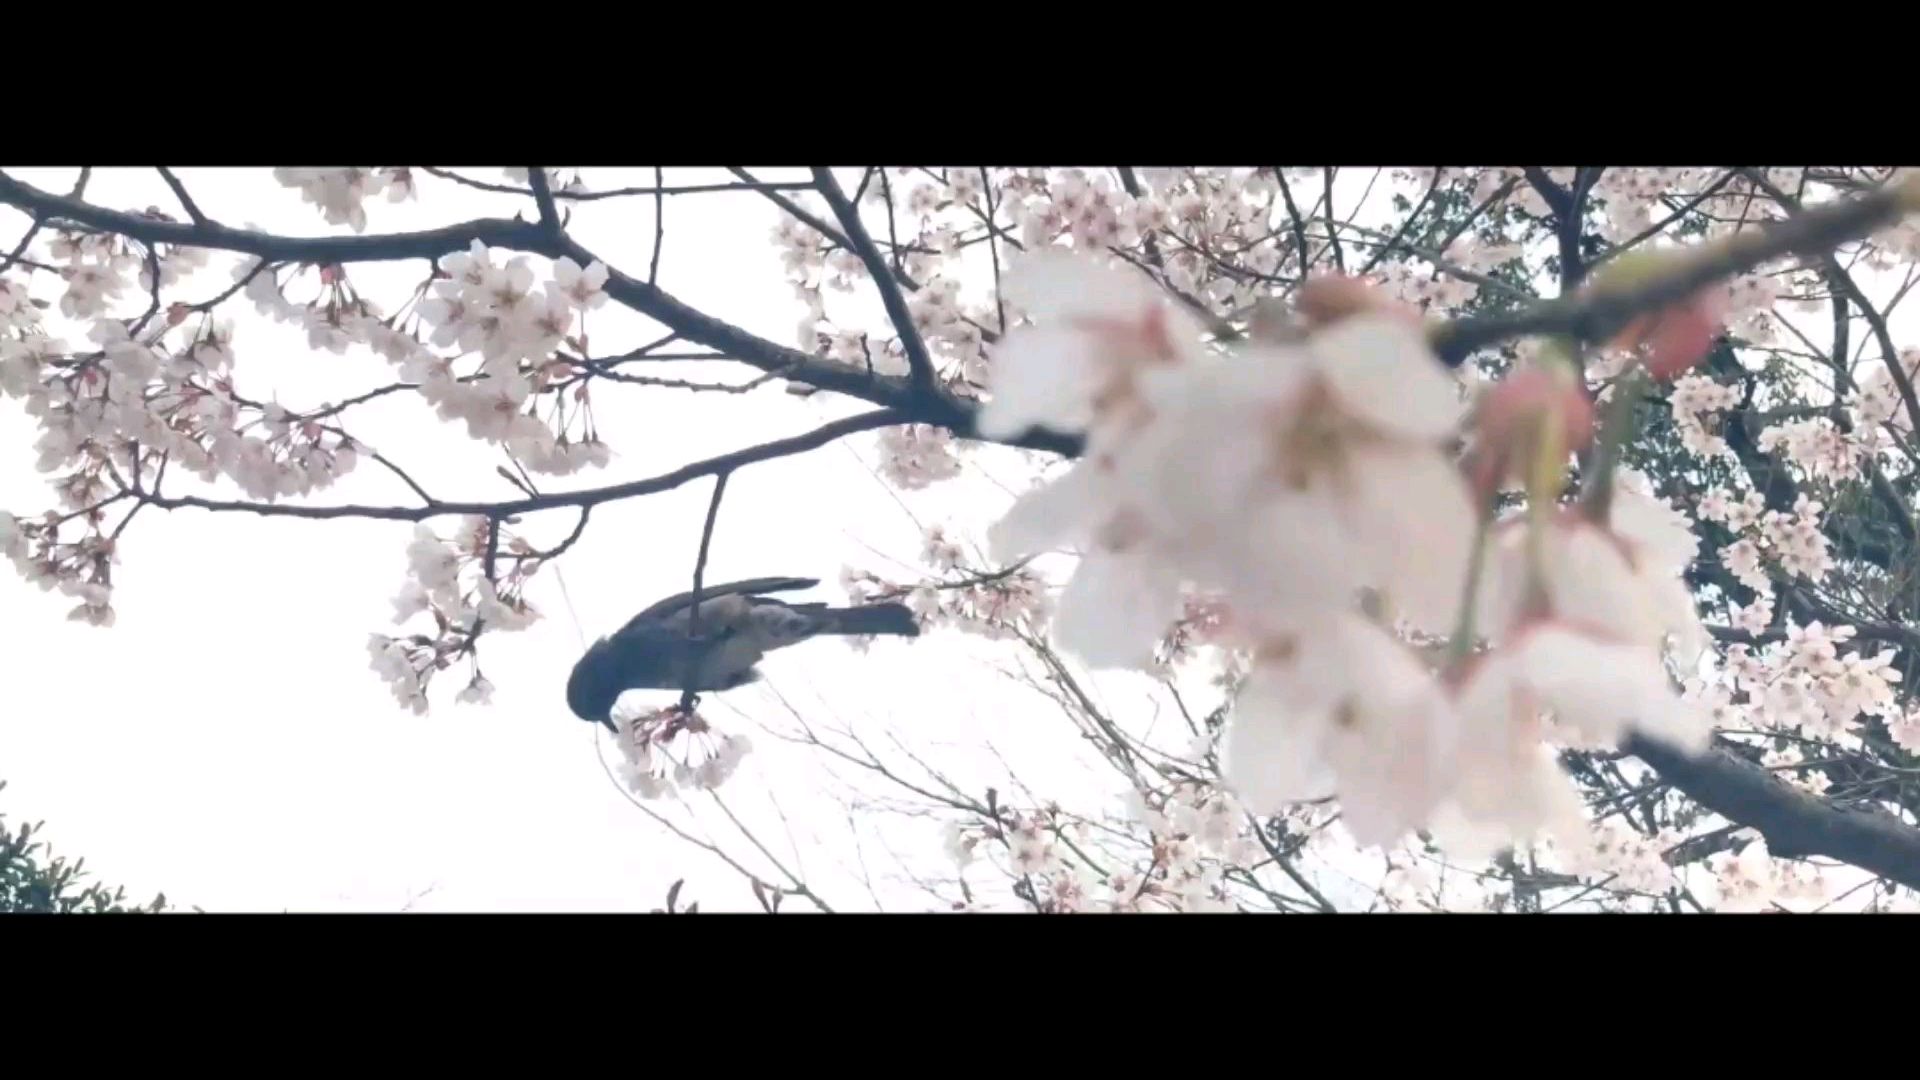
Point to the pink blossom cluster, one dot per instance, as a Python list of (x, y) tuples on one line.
[(1697, 401), (1010, 602), (1805, 682), (664, 751), (340, 193), (448, 583), (1196, 833)]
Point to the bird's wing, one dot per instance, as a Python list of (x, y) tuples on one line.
[(681, 601)]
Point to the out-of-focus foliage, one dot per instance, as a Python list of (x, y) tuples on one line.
[(34, 879)]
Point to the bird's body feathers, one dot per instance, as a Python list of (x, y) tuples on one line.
[(666, 648)]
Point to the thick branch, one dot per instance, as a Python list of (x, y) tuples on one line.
[(1796, 824), (1594, 316), (919, 363), (543, 197), (687, 322), (429, 244)]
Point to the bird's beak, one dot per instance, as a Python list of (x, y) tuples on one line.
[(610, 725)]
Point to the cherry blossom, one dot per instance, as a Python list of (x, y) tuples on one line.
[(1347, 711), (1747, 879)]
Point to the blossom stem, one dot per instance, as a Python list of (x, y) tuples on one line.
[(1596, 499), (1460, 645)]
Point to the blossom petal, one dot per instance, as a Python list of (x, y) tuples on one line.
[(1414, 524), (1042, 376), (1115, 611), (1273, 752), (1291, 560), (1590, 582), (1060, 513), (1351, 712), (1384, 372), (1652, 526), (1508, 786)]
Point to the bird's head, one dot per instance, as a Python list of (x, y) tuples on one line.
[(593, 687)]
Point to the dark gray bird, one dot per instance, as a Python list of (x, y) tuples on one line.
[(737, 626)]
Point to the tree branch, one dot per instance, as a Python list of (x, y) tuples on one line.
[(1594, 316), (811, 440), (428, 244), (543, 197), (613, 193), (690, 696), (919, 363), (180, 192), (1796, 824)]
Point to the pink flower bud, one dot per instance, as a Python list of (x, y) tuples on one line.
[(1538, 409), (1677, 337)]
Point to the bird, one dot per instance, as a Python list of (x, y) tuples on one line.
[(738, 625)]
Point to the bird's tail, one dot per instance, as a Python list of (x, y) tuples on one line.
[(889, 618)]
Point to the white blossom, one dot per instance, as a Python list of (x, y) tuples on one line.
[(1346, 711)]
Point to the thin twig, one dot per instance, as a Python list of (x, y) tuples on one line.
[(180, 192), (691, 694)]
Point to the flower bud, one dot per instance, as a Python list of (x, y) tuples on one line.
[(1676, 338), (1526, 425), (1672, 338)]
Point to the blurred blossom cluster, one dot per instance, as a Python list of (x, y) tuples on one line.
[(1289, 479)]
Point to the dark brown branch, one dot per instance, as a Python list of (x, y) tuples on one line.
[(811, 440), (612, 193), (690, 696), (1406, 225), (1594, 316), (1843, 283), (429, 244), (425, 499), (227, 294), (688, 323), (543, 197), (801, 214), (579, 528), (659, 225), (601, 371), (1660, 226), (1796, 824), (1293, 216), (39, 220), (180, 192), (1339, 256), (1567, 206), (1131, 185), (919, 362)]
